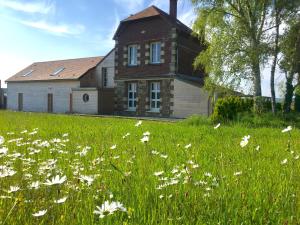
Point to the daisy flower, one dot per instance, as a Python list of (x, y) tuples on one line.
[(40, 213), (56, 180), (289, 128), (217, 126)]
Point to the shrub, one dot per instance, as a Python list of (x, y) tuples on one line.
[(228, 108)]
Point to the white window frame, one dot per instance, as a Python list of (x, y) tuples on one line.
[(155, 89), (132, 55), (155, 52), (132, 90)]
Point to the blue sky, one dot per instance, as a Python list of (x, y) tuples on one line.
[(41, 30)]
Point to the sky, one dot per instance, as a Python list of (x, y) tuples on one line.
[(43, 30)]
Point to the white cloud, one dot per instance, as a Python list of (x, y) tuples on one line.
[(130, 5), (13, 64), (41, 7), (56, 29)]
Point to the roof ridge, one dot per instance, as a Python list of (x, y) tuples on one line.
[(61, 60)]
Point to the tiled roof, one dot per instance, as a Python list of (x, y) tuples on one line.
[(153, 11), (72, 69)]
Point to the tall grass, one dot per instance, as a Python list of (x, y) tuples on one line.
[(206, 176)]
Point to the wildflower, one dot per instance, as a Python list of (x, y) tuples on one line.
[(217, 126), (35, 185), (207, 174), (164, 156), (158, 173), (145, 139), (147, 133), (3, 150), (13, 189), (154, 152), (161, 196), (32, 133), (88, 179), (113, 147), (139, 123), (65, 135), (284, 161), (40, 213), (188, 146), (296, 157), (126, 135), (244, 141), (109, 208), (257, 148), (60, 201), (195, 166), (289, 128), (1, 140), (56, 180), (238, 173)]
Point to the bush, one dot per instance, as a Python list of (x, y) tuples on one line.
[(228, 108)]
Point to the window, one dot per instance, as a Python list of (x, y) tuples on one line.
[(155, 51), (28, 73), (132, 96), (85, 97), (57, 71), (154, 96), (132, 55), (104, 76)]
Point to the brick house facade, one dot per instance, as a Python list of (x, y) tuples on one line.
[(164, 51)]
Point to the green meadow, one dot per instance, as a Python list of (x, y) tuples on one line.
[(63, 169)]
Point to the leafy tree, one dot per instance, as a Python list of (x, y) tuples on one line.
[(290, 63), (235, 31)]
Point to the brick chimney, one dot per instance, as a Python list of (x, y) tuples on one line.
[(173, 9)]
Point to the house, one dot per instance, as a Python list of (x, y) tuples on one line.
[(83, 85), (154, 73)]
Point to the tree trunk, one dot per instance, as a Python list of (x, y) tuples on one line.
[(297, 95), (257, 86), (288, 98), (273, 69)]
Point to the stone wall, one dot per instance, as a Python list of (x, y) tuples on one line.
[(143, 98)]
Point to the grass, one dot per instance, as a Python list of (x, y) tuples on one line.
[(215, 181)]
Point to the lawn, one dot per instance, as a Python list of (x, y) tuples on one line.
[(145, 173)]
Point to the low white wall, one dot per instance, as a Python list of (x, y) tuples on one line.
[(189, 100), (89, 107), (35, 95)]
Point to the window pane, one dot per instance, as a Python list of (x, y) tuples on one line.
[(130, 103), (130, 95), (152, 104), (158, 95), (152, 95), (158, 104)]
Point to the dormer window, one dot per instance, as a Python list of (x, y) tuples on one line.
[(28, 73), (57, 71), (132, 55), (155, 52)]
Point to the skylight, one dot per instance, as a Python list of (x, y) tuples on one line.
[(27, 74), (57, 71)]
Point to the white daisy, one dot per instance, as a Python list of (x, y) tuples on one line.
[(283, 162), (60, 201), (139, 123), (188, 146), (56, 180), (113, 147), (1, 140), (13, 189), (147, 133), (40, 213), (217, 126), (158, 173), (109, 208), (238, 173), (245, 141), (289, 128), (145, 139)]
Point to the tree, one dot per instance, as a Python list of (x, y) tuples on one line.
[(282, 11), (290, 63), (235, 31)]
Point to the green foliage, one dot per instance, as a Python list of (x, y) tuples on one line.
[(262, 192), (228, 108)]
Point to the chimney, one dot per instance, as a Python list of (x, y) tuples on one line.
[(173, 9)]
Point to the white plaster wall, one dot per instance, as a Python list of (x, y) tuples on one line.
[(189, 100), (109, 63), (90, 107), (35, 95)]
